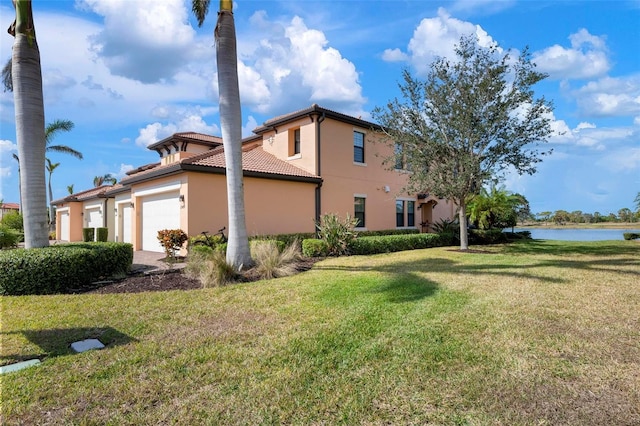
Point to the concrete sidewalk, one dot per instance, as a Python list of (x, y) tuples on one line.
[(151, 262)]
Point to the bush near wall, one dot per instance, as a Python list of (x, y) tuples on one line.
[(631, 236), (393, 243), (375, 244), (62, 268), (8, 237), (102, 234), (88, 234), (388, 232)]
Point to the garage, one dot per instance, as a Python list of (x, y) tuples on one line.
[(93, 218), (159, 211), (124, 223), (65, 229)]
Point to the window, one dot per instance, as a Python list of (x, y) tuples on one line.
[(399, 213), (359, 211), (399, 157), (294, 142), (358, 147), (410, 213)]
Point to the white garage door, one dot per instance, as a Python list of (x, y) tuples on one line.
[(160, 211), (65, 230), (125, 223), (94, 219)]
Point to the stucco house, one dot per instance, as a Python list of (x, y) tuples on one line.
[(296, 167)]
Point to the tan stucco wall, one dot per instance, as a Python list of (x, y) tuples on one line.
[(271, 207), (75, 220)]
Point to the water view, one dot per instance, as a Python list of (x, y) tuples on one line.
[(582, 234)]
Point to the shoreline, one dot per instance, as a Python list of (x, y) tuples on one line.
[(546, 225)]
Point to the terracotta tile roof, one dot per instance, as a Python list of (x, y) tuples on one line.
[(314, 109), (87, 194), (254, 159), (142, 168), (10, 206), (197, 138)]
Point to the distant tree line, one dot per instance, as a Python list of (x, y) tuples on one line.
[(562, 216)]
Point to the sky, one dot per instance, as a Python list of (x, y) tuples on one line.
[(131, 72)]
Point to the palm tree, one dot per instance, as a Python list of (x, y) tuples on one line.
[(494, 209), (238, 253), (26, 78), (52, 214), (103, 180), (70, 189)]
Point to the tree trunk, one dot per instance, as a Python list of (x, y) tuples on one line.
[(462, 218), (238, 253), (29, 110), (52, 213)]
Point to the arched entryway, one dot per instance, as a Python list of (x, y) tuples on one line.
[(427, 203)]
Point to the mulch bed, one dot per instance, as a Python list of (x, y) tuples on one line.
[(172, 280)]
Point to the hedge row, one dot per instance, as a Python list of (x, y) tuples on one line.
[(61, 268), (631, 236), (376, 244)]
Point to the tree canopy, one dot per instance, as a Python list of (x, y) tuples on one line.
[(467, 123)]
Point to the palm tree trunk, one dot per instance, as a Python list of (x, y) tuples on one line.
[(238, 253), (29, 110)]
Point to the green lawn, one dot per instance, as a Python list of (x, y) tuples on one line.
[(535, 333)]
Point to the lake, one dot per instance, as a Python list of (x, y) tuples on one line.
[(572, 234)]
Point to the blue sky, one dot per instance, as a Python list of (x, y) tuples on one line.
[(129, 73)]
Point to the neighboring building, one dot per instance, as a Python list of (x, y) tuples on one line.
[(296, 168), (7, 208)]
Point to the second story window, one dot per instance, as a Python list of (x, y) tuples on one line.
[(294, 142), (399, 154), (358, 147)]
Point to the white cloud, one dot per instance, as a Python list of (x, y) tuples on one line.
[(586, 58), (623, 160), (247, 129), (290, 64), (145, 40), (436, 38), (124, 168), (610, 96)]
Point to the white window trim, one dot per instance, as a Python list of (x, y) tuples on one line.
[(361, 228), (295, 157)]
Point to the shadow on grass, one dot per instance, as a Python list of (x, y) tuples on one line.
[(57, 342), (604, 256), (407, 287)]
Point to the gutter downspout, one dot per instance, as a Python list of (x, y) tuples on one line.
[(318, 170)]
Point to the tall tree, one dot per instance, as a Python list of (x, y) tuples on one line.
[(26, 78), (468, 122), (50, 132), (103, 180), (238, 253), (50, 167)]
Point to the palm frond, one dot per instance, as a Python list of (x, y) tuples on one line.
[(7, 80), (200, 8), (63, 149)]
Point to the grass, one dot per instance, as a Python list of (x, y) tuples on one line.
[(531, 333)]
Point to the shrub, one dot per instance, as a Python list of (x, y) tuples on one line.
[(337, 233), (315, 248), (215, 240), (9, 237), (210, 267), (448, 230), (102, 234), (287, 239), (487, 236), (393, 243), (62, 268), (387, 232), (172, 240), (631, 236), (88, 234), (52, 235), (14, 221), (272, 261)]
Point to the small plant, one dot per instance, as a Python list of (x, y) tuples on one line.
[(631, 236), (172, 240), (102, 234), (448, 230), (271, 262), (52, 235), (8, 237), (88, 234), (337, 233), (210, 267)]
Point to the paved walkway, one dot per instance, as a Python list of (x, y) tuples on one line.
[(151, 262)]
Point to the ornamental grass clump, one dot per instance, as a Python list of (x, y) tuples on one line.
[(338, 233), (210, 267), (271, 261)]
